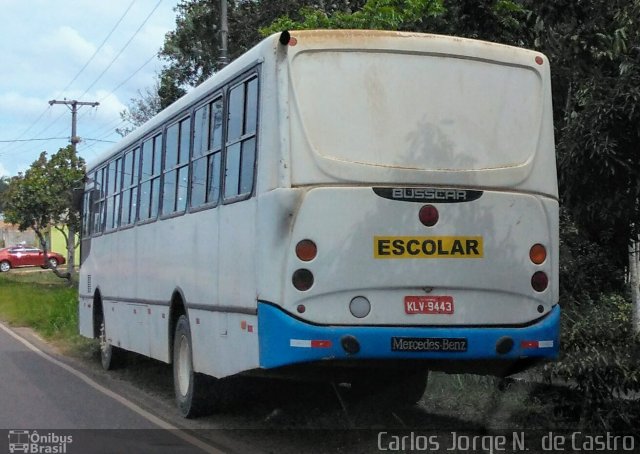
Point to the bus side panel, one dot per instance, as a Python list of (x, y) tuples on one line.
[(226, 343), (276, 215), (223, 343), (236, 260), (85, 317)]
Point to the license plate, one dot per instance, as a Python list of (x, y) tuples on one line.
[(429, 344), (428, 304)]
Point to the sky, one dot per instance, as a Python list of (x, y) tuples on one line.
[(85, 50)]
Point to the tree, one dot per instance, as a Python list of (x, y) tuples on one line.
[(4, 186), (140, 109), (192, 50), (594, 48), (43, 198), (493, 20)]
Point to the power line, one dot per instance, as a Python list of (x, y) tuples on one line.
[(32, 140), (123, 48), (98, 49), (125, 81), (99, 140), (29, 127), (75, 77)]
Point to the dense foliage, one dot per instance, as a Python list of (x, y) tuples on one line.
[(4, 186)]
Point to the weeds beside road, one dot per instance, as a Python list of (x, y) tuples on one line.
[(44, 302)]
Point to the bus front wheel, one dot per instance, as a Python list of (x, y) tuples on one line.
[(194, 391)]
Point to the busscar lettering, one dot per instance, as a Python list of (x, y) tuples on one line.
[(428, 194)]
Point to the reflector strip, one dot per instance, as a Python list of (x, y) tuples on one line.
[(307, 343), (537, 344), (320, 344)]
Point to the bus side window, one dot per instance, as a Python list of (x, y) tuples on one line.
[(130, 186), (241, 139), (98, 206), (150, 177), (207, 147), (176, 167)]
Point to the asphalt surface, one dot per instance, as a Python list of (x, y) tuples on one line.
[(40, 394)]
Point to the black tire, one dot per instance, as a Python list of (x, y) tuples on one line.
[(194, 392), (5, 266), (392, 389), (111, 357)]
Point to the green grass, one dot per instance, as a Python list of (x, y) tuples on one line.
[(40, 300)]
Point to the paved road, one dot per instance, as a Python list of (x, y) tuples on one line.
[(39, 393)]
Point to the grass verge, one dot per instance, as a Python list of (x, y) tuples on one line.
[(44, 302)]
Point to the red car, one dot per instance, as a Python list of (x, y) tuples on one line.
[(18, 256)]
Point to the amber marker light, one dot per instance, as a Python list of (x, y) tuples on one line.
[(306, 250), (538, 254)]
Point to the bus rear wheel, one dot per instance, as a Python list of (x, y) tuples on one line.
[(194, 391), (111, 357)]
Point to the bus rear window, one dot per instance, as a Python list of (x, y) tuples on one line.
[(418, 111)]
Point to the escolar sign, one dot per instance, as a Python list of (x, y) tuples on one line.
[(427, 247)]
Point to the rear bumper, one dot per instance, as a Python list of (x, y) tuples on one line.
[(285, 340)]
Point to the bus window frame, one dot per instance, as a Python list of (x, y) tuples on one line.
[(101, 200), (235, 82), (132, 149), (151, 136), (219, 94), (176, 120)]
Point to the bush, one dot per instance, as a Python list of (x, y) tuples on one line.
[(587, 269), (601, 360)]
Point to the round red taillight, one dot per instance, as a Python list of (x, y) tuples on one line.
[(428, 215), (538, 254), (539, 60), (302, 280), (539, 281), (306, 250)]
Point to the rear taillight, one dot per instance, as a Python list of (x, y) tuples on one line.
[(539, 281), (302, 279), (306, 250), (538, 254)]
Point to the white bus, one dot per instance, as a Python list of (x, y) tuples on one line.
[(363, 206)]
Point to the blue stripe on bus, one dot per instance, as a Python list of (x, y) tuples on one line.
[(285, 340)]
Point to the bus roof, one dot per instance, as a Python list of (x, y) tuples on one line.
[(307, 38)]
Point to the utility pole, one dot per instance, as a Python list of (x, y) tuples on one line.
[(224, 34), (73, 105)]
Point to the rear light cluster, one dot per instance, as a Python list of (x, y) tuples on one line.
[(302, 279), (538, 255)]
